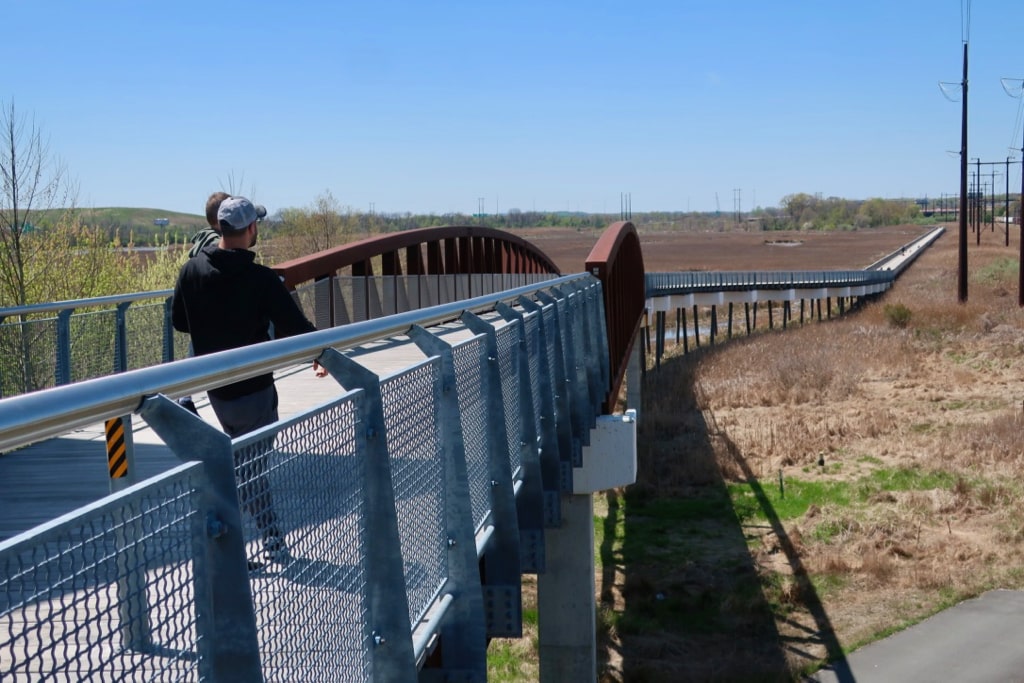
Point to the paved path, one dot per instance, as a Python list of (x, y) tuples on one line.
[(977, 641)]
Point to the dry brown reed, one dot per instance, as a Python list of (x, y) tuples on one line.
[(939, 398)]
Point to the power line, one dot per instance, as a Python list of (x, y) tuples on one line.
[(965, 21)]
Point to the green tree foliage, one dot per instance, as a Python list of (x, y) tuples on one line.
[(319, 226), (33, 185), (810, 212), (158, 269)]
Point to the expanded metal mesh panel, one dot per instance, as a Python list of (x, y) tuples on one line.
[(577, 386), (537, 364), (144, 327), (446, 289), (343, 308), (462, 286), (395, 298), (407, 295), (311, 299), (92, 344), (28, 355), (418, 477), (550, 363), (474, 406), (182, 345), (427, 286), (360, 299), (306, 485), (107, 593), (508, 363), (373, 292), (590, 332)]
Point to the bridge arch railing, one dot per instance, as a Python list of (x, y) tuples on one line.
[(397, 272), (617, 260), (152, 581)]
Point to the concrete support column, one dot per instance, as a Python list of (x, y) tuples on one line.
[(566, 604)]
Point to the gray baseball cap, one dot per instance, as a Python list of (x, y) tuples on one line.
[(237, 213)]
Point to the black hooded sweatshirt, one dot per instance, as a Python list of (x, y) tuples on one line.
[(223, 299)]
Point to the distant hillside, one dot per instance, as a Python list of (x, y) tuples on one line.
[(126, 216), (143, 226)]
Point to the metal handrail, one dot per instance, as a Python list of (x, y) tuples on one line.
[(40, 415), (667, 284), (72, 304)]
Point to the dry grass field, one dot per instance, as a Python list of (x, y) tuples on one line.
[(804, 492), (874, 473)]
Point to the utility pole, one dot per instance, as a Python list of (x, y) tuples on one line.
[(976, 223), (962, 252), (1017, 91), (992, 198), (1006, 204)]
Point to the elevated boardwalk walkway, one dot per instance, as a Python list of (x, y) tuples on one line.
[(56, 476), (60, 475)]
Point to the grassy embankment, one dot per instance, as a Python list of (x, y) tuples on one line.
[(805, 492)]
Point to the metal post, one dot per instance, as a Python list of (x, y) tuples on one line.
[(121, 337), (133, 606), (962, 250), (554, 388), (63, 374), (392, 656), (501, 568), (168, 332), (1006, 204), (226, 624), (540, 451), (463, 644)]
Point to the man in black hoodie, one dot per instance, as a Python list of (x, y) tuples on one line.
[(223, 299)]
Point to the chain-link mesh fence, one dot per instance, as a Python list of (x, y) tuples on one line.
[(108, 593)]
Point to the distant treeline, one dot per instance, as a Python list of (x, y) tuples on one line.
[(797, 212)]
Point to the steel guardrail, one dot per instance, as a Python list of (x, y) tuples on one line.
[(422, 505)]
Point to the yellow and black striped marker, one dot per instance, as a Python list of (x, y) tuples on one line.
[(117, 450)]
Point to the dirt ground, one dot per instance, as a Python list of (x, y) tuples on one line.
[(741, 250), (920, 426)]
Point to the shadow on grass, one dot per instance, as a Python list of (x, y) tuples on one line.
[(682, 598)]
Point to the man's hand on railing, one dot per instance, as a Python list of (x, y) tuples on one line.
[(319, 370)]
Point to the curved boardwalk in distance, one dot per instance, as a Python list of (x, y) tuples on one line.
[(666, 251)]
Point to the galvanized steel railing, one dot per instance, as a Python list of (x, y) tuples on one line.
[(664, 284), (391, 495), (58, 343), (883, 272)]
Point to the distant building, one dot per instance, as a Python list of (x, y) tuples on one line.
[(161, 221)]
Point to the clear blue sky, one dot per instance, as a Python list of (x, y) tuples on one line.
[(428, 106)]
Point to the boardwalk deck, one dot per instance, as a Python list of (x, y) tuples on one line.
[(54, 477)]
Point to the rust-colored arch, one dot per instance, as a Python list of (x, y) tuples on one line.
[(441, 250), (618, 262)]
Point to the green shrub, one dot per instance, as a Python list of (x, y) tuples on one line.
[(898, 315)]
